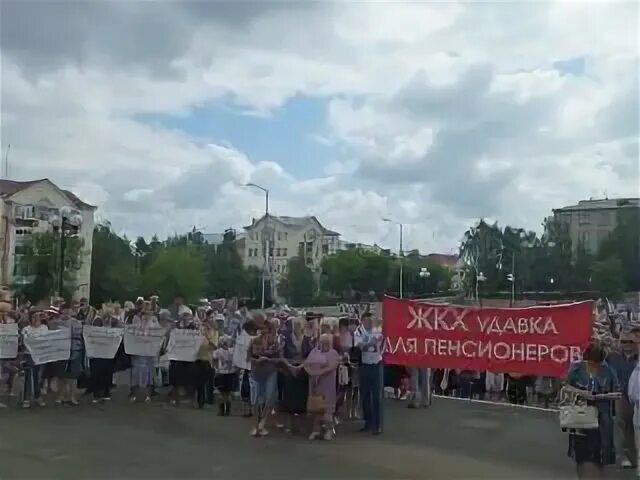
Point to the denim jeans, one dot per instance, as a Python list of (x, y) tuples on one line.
[(32, 383), (371, 393), (420, 387)]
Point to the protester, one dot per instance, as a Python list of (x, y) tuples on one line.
[(494, 385), (623, 363), (242, 363), (181, 373), (420, 387), (203, 373), (162, 363), (293, 402), (225, 374), (321, 366), (142, 367), (32, 371), (265, 354), (633, 394), (371, 382), (102, 369), (594, 381)]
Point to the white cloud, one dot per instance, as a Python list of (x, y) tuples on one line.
[(436, 113)]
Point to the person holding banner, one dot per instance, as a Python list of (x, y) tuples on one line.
[(369, 339), (31, 392), (102, 369), (181, 373), (75, 365), (142, 366)]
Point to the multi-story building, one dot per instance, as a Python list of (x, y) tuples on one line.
[(279, 239), (591, 221), (30, 207), (344, 245)]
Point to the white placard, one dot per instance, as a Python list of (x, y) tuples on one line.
[(102, 342), (183, 345), (8, 340), (145, 343), (49, 345)]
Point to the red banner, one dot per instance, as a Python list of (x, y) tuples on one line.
[(541, 340)]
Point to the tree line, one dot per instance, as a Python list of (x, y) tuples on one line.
[(551, 262), (187, 265)]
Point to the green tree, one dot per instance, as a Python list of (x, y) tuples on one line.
[(298, 284), (607, 278), (342, 272), (481, 251), (226, 276), (115, 272), (41, 262), (174, 271)]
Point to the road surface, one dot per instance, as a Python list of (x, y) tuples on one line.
[(452, 439)]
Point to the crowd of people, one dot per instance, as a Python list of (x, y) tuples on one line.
[(284, 366), (303, 371)]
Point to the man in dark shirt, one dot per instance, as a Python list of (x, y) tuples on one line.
[(623, 364)]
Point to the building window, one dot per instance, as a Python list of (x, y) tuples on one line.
[(286, 235), (325, 249), (284, 252), (584, 239), (277, 252), (271, 251), (279, 236), (583, 218)]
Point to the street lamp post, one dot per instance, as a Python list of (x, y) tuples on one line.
[(401, 226), (68, 221), (480, 278), (266, 266), (424, 274)]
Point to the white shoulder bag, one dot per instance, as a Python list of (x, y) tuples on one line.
[(578, 417)]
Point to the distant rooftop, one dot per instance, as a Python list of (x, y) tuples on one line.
[(601, 204), (11, 187), (218, 238), (298, 222), (443, 259)]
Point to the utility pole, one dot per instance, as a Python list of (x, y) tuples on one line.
[(6, 162)]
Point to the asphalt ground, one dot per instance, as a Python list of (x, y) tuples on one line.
[(452, 439)]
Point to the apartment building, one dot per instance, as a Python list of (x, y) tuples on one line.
[(30, 207), (591, 221)]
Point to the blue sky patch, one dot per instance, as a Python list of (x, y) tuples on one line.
[(571, 66), (285, 137)]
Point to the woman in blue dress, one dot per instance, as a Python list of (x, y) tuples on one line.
[(594, 381)]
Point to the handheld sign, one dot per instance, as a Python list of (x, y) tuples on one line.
[(183, 345), (49, 345), (8, 340), (102, 342), (144, 343)]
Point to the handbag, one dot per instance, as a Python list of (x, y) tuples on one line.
[(316, 403), (355, 353), (343, 375), (582, 417)]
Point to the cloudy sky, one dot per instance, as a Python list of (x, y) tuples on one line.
[(434, 114)]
